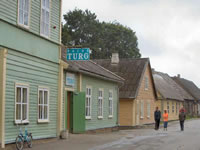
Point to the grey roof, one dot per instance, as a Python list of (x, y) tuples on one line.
[(168, 88), (90, 68), (131, 70), (189, 86)]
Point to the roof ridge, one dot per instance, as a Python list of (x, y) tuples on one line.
[(107, 70)]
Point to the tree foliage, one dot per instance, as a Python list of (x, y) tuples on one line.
[(84, 29)]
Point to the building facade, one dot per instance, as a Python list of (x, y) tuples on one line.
[(90, 97), (137, 95), (30, 50)]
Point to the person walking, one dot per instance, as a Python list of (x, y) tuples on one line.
[(157, 116), (182, 117), (165, 119)]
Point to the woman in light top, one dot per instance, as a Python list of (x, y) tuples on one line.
[(165, 118)]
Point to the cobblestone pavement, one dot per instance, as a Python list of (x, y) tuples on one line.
[(136, 139)]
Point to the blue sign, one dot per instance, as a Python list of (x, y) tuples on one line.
[(78, 53)]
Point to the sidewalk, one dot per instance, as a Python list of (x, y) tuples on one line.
[(86, 141)]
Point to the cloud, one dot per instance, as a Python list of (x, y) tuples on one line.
[(168, 31)]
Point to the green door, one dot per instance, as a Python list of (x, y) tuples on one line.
[(78, 112)]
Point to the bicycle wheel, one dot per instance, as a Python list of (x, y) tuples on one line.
[(29, 141), (19, 143)]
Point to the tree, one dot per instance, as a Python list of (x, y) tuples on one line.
[(84, 29)]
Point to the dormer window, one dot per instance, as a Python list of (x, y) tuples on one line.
[(45, 15), (23, 13)]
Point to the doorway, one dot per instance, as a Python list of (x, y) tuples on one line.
[(69, 110)]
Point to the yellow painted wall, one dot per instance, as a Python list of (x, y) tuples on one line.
[(126, 112), (146, 95), (172, 115)]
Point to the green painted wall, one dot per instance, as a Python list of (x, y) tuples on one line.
[(96, 83), (36, 72), (21, 40), (8, 12)]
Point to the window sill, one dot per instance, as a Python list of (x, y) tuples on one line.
[(22, 122), (43, 121), (100, 117), (148, 117), (110, 116), (44, 36), (23, 26), (141, 117), (88, 117)]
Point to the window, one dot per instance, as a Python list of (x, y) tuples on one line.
[(176, 107), (23, 13), (21, 104), (146, 83), (168, 107), (88, 102), (148, 109), (172, 107), (142, 109), (110, 103), (100, 103), (43, 105), (45, 15)]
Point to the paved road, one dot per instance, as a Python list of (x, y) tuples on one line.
[(137, 139)]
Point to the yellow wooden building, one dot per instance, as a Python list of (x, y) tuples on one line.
[(170, 95)]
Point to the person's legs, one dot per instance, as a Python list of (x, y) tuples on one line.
[(158, 124), (181, 124)]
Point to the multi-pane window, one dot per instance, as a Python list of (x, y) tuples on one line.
[(146, 83), (172, 107), (148, 109), (43, 104), (100, 103), (88, 102), (168, 107), (23, 14), (21, 104), (142, 109), (45, 15), (110, 103)]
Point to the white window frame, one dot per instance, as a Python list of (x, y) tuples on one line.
[(142, 109), (29, 14), (41, 21), (168, 108), (21, 85), (89, 97), (43, 89), (100, 107), (110, 107), (173, 107), (146, 83), (148, 109)]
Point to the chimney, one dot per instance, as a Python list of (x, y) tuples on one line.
[(115, 58), (178, 75)]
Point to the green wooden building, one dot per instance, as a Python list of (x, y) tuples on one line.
[(30, 38), (90, 97)]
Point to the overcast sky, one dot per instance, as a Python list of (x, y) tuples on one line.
[(168, 31)]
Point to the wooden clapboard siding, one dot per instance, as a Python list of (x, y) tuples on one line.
[(9, 13), (126, 112), (95, 83), (22, 68)]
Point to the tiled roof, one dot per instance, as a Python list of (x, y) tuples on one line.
[(168, 88), (91, 68), (131, 70), (189, 86)]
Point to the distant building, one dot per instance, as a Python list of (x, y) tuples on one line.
[(137, 94), (170, 95), (192, 107)]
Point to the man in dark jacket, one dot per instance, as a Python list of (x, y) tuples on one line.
[(182, 117), (157, 116)]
